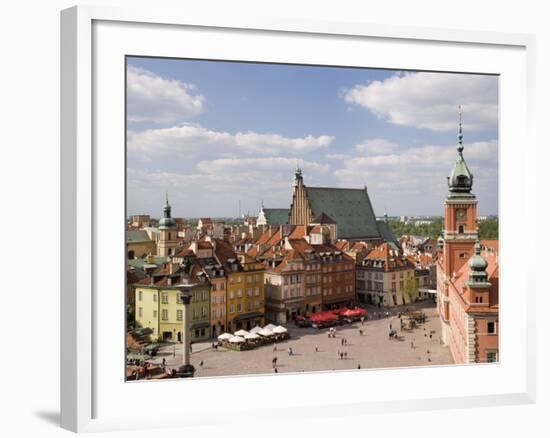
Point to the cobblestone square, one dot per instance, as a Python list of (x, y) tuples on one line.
[(372, 349)]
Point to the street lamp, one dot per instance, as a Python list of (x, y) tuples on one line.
[(186, 369)]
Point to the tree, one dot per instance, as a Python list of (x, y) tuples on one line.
[(411, 287)]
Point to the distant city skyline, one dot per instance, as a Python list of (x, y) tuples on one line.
[(211, 134)]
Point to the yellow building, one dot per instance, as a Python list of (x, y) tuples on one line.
[(159, 307), (245, 288)]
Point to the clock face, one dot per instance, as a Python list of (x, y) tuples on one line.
[(461, 214)]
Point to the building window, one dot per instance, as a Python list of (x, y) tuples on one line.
[(491, 356), (231, 295), (461, 229), (179, 315), (164, 314), (154, 298), (239, 293), (140, 312), (164, 298), (140, 295), (239, 307), (155, 314), (491, 328), (231, 308)]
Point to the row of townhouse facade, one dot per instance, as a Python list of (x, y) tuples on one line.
[(227, 292), (304, 273)]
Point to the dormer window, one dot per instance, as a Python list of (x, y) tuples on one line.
[(461, 180)]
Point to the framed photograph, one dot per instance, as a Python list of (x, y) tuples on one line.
[(325, 211)]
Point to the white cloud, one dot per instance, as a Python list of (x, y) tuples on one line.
[(218, 185), (189, 139), (409, 180), (261, 165), (337, 156), (376, 146), (152, 98), (430, 100)]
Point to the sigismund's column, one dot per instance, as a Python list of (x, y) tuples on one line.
[(186, 370)]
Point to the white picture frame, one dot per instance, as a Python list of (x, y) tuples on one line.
[(91, 395)]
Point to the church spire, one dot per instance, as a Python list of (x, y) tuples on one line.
[(459, 146), (167, 207), (460, 180), (167, 220), (297, 174)]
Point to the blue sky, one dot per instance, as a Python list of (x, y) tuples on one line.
[(213, 133)]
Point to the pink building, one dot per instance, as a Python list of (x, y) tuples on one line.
[(467, 274)]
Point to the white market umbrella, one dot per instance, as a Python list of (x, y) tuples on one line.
[(236, 340), (251, 336), (265, 332), (241, 333), (255, 329), (269, 327), (225, 337), (279, 330)]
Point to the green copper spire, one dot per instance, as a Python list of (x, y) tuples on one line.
[(167, 221), (460, 180), (460, 146), (478, 277)]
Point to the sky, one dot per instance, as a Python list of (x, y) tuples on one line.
[(215, 134)]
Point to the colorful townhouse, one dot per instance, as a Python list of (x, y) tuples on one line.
[(386, 277), (245, 305), (158, 305)]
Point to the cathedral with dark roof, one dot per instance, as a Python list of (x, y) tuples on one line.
[(350, 210)]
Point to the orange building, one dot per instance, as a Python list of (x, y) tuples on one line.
[(467, 274)]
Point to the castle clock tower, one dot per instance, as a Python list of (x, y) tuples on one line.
[(460, 213)]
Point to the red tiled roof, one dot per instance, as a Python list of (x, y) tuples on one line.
[(390, 257), (298, 232), (490, 243)]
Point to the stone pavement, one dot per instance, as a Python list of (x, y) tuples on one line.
[(373, 349)]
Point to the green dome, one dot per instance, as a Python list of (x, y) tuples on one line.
[(167, 222), (477, 262), (461, 179)]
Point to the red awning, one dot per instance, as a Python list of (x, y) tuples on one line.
[(354, 312), (322, 316)]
